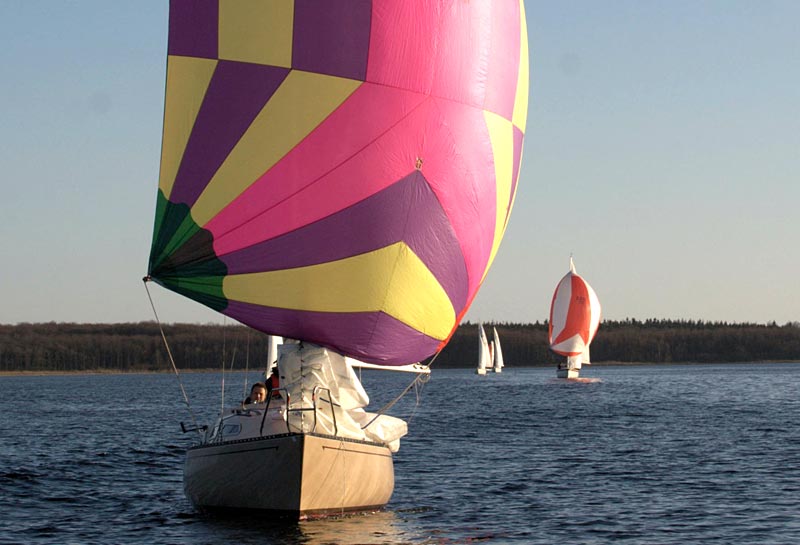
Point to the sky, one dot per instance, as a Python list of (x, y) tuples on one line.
[(662, 152)]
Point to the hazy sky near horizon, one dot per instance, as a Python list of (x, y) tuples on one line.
[(662, 150)]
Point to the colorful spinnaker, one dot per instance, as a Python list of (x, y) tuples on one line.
[(574, 318), (340, 172)]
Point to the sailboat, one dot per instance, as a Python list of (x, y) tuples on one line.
[(497, 353), (484, 354), (574, 319), (339, 176)]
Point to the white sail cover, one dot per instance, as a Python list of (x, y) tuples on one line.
[(574, 318), (314, 373), (498, 353)]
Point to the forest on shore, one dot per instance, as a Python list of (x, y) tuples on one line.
[(135, 347)]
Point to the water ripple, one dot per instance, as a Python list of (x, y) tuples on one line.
[(650, 455)]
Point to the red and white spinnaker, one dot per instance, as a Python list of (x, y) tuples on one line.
[(574, 318)]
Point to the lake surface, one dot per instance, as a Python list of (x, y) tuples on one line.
[(647, 455)]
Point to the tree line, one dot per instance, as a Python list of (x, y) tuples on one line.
[(635, 341), (128, 347)]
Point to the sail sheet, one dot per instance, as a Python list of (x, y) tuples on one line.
[(340, 172), (574, 318)]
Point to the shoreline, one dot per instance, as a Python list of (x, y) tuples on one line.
[(106, 372), (43, 373)]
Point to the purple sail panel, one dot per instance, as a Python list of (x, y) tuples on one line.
[(236, 95), (332, 37), (193, 28), (359, 335), (407, 211)]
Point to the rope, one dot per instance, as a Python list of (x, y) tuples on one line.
[(171, 359), (421, 378)]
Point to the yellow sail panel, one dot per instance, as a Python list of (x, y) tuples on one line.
[(256, 31), (301, 103), (187, 82), (520, 116), (392, 280), (501, 133)]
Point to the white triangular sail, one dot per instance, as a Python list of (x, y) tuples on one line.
[(484, 359), (498, 353)]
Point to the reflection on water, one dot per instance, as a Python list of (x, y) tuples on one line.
[(579, 380), (373, 528), (387, 527)]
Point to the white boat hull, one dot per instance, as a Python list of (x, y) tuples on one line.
[(299, 475), (567, 373)]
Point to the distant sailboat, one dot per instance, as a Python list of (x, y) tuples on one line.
[(484, 356), (574, 318), (497, 357)]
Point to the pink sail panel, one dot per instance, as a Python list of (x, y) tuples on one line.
[(574, 315)]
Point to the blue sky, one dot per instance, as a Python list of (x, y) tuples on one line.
[(662, 151)]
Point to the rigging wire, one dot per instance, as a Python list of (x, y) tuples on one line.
[(423, 379), (224, 336), (417, 383), (233, 359), (420, 380), (417, 380), (246, 366), (169, 352)]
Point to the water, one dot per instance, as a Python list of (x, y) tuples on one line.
[(649, 455)]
